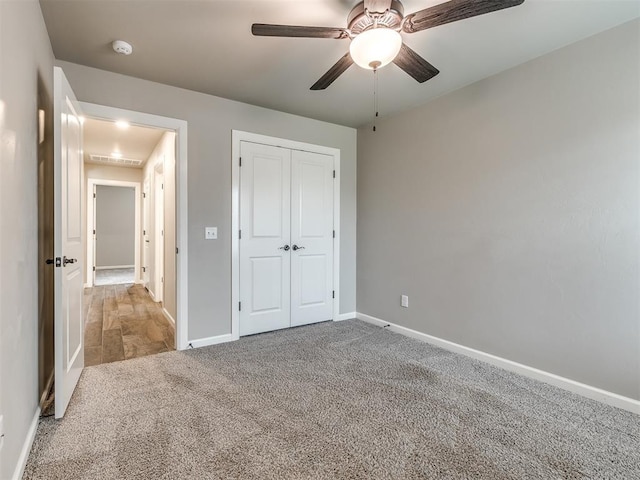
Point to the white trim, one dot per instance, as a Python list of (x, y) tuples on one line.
[(205, 342), (113, 267), (345, 316), (182, 233), (91, 184), (588, 391), (153, 297), (168, 316), (238, 136), (26, 447)]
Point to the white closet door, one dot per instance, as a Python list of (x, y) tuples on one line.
[(311, 238), (265, 211)]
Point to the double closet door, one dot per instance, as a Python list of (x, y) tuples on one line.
[(286, 238)]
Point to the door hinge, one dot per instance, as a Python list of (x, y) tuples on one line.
[(239, 306), (334, 174), (239, 234), (240, 162), (334, 234), (333, 294)]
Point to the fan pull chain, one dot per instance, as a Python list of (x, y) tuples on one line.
[(375, 98)]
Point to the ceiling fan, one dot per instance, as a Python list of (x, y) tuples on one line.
[(374, 27)]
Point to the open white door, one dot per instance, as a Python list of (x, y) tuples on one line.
[(69, 324)]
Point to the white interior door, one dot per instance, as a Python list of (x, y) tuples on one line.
[(158, 242), (94, 238), (146, 254), (311, 238), (69, 324), (265, 253)]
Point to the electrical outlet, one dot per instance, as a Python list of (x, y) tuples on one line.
[(211, 233), (404, 301)]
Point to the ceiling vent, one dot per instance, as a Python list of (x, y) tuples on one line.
[(128, 162)]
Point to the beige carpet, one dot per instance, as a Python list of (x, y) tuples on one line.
[(336, 400)]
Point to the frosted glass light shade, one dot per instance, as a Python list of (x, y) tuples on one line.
[(375, 48)]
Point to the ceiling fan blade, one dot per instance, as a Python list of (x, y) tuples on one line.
[(453, 11), (377, 6), (415, 65), (269, 30), (333, 73)]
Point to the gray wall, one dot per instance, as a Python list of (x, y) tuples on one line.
[(211, 120), (115, 226), (508, 211), (26, 72)]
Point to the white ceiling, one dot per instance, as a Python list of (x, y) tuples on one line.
[(207, 46), (101, 137)]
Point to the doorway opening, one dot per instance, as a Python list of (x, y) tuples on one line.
[(116, 232), (128, 240)]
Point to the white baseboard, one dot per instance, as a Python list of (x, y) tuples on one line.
[(345, 316), (205, 342), (588, 391), (113, 267), (168, 316), (26, 447)]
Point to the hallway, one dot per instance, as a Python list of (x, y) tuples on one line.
[(122, 322)]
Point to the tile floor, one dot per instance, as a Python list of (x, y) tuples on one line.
[(113, 276), (122, 322)]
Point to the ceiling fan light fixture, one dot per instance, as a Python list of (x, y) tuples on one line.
[(375, 48)]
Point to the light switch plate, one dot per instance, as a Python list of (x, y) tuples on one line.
[(211, 233)]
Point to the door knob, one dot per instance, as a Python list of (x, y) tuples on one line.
[(296, 247), (285, 248), (66, 260)]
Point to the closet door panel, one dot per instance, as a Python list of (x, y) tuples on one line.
[(311, 237), (265, 262)]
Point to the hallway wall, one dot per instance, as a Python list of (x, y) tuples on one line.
[(164, 156), (26, 74), (115, 226)]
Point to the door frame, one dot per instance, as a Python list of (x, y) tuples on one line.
[(91, 215), (238, 136), (182, 260)]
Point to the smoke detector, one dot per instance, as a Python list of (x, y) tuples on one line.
[(122, 47)]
